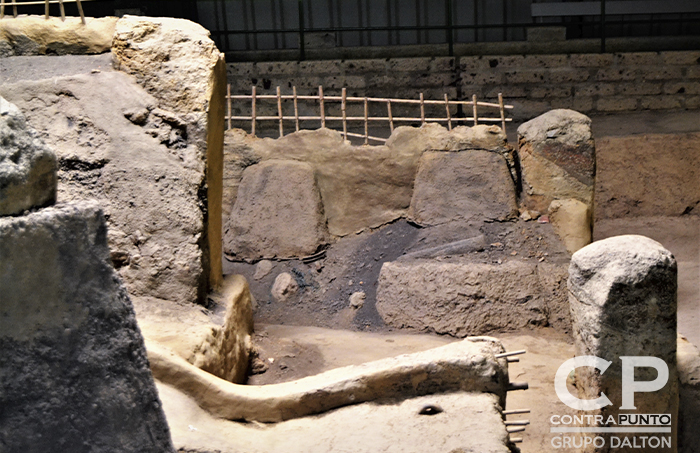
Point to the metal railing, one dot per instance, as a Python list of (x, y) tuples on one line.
[(344, 101), (15, 4)]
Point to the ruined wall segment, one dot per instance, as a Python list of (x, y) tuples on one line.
[(534, 84), (75, 376), (176, 61)]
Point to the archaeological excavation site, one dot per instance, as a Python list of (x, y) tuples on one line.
[(483, 244)]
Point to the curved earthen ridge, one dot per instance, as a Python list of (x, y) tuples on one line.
[(469, 365)]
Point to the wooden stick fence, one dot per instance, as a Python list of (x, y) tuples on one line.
[(15, 3), (344, 99)]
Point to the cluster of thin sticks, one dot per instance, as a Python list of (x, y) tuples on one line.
[(344, 99), (15, 3)]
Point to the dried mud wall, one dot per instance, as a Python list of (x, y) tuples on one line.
[(145, 141), (588, 83)]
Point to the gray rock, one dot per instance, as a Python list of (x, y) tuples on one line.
[(689, 408), (74, 375), (27, 166), (284, 286), (623, 303), (557, 156), (357, 299), (468, 185), (278, 213), (464, 298)]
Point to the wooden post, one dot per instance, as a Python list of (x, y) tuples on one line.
[(323, 106), (503, 112), (14, 8), (63, 10), (366, 122), (252, 115), (279, 110), (343, 109), (46, 10), (296, 109), (476, 119), (391, 117), (228, 104), (422, 110), (449, 117), (80, 11), (2, 8)]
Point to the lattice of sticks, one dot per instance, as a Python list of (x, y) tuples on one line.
[(344, 100), (14, 4)]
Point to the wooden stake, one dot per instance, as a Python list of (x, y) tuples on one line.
[(476, 118), (46, 10), (228, 103), (343, 109), (14, 8), (516, 411), (503, 112), (391, 117), (252, 111), (449, 117), (279, 110), (323, 106), (296, 108), (63, 10), (80, 11), (366, 122), (422, 110), (2, 8)]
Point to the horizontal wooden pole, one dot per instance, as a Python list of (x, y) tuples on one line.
[(358, 99), (38, 2), (358, 118), (379, 139)]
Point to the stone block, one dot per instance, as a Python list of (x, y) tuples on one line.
[(27, 166), (614, 74), (474, 63), (685, 87), (468, 185), (595, 89), (661, 102), (681, 57), (363, 66), (507, 62), (661, 73), (616, 104), (638, 59), (623, 304), (549, 91), (527, 76), (557, 156), (638, 88), (466, 298), (278, 213), (482, 78), (688, 358), (421, 64), (546, 34), (591, 60), (319, 67), (568, 75), (693, 72), (583, 103), (36, 35), (434, 79), (75, 376), (441, 64), (545, 61), (176, 61)]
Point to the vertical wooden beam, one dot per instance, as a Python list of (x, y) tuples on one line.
[(80, 11), (366, 121), (322, 105), (62, 8), (422, 110), (252, 115), (296, 109), (279, 111), (46, 9), (391, 117), (343, 109), (449, 116), (476, 118), (14, 8), (2, 8), (228, 104), (503, 112)]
